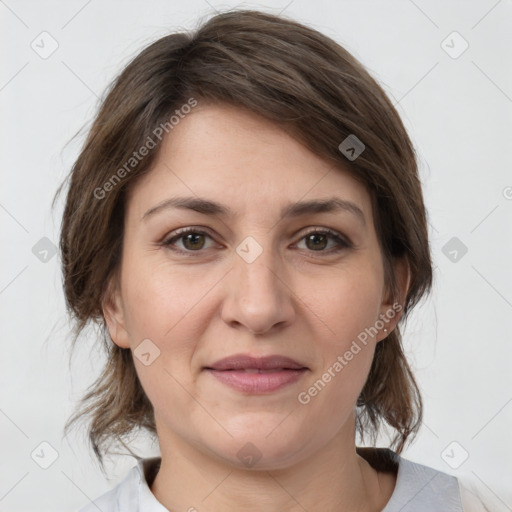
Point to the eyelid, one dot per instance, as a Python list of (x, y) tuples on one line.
[(342, 240), (181, 232), (333, 233)]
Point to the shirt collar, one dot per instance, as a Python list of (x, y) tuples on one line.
[(415, 485)]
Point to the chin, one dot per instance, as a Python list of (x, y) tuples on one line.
[(256, 450)]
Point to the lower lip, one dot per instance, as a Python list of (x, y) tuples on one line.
[(257, 382)]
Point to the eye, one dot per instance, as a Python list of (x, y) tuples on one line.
[(318, 239), (192, 239)]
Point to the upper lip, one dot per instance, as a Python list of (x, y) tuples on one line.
[(244, 361)]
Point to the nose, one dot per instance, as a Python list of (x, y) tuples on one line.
[(258, 297)]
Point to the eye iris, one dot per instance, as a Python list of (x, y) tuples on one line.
[(316, 244), (193, 237), (194, 241)]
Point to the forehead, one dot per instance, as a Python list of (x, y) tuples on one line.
[(244, 161)]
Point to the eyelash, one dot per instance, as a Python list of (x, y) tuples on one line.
[(343, 244)]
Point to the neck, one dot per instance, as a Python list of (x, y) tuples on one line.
[(333, 478)]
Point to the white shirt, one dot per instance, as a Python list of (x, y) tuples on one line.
[(418, 488)]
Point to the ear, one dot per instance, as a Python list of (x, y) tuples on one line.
[(392, 307), (114, 315)]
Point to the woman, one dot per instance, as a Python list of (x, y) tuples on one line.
[(246, 222)]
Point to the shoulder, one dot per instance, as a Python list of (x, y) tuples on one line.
[(472, 498), (123, 497), (421, 488)]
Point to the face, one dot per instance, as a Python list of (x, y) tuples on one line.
[(257, 274)]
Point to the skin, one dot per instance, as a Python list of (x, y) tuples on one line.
[(295, 299)]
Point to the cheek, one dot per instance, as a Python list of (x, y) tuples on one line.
[(348, 306), (331, 393), (347, 302), (160, 299), (169, 306), (163, 305)]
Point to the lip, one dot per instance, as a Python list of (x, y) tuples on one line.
[(257, 375), (245, 361)]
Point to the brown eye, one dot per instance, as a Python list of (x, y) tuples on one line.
[(318, 241), (192, 240)]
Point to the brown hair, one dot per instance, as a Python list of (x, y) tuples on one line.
[(291, 75)]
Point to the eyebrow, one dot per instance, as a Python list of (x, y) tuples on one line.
[(208, 207)]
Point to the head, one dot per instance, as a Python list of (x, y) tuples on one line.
[(249, 112)]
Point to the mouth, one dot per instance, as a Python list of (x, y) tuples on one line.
[(255, 375), (247, 362)]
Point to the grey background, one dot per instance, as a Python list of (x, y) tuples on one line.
[(458, 112)]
